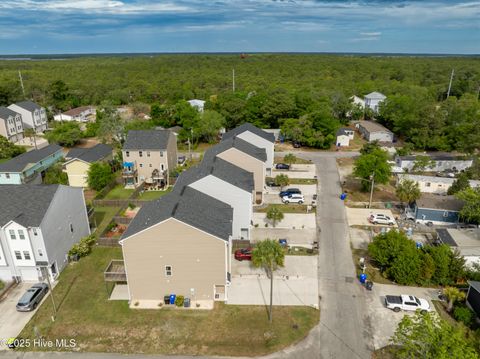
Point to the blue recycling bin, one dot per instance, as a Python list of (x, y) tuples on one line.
[(419, 245), (283, 242), (363, 278), (343, 196), (172, 298)]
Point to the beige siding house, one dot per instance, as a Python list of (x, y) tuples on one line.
[(148, 157), (79, 161), (179, 244)]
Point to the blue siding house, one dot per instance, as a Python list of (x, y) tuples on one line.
[(435, 209), (30, 166)]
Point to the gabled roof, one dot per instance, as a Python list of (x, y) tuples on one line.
[(371, 126), (219, 168), (344, 131), (251, 128), (376, 95), (25, 204), (447, 203), (29, 105), (436, 157), (147, 140), (21, 162), (77, 110), (5, 112), (189, 206), (92, 154), (238, 143), (475, 285)]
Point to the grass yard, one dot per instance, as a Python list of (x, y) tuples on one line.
[(103, 216), (119, 192), (286, 208), (151, 195), (372, 273), (99, 325), (381, 193), (293, 181), (299, 160)]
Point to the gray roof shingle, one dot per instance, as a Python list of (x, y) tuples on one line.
[(238, 143), (249, 127), (29, 105), (189, 206), (19, 163), (91, 154), (5, 112), (25, 204), (147, 140), (448, 203)]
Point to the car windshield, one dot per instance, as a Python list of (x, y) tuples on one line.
[(416, 300), (25, 299)]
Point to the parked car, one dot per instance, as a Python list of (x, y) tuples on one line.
[(293, 198), (244, 254), (32, 297), (271, 183), (381, 219), (406, 302), (181, 160), (282, 166), (290, 191), (296, 144)]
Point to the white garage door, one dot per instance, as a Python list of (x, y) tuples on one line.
[(29, 274)]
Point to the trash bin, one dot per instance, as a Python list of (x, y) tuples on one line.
[(166, 299), (369, 285), (186, 303), (172, 298), (363, 278), (343, 196), (283, 242)]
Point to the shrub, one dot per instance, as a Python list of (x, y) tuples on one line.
[(131, 206), (82, 248), (179, 300), (463, 314), (111, 226)]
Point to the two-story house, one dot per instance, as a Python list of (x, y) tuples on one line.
[(11, 126), (29, 167), (373, 100), (148, 157), (79, 160), (38, 226), (33, 115)]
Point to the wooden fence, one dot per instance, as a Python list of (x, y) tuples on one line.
[(108, 242)]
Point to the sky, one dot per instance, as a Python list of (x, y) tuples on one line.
[(128, 26)]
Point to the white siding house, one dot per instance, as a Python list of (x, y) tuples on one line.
[(441, 162), (373, 131), (198, 104), (373, 100), (33, 115), (79, 114), (344, 135), (433, 184)]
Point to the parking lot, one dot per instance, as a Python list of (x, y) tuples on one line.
[(294, 284), (11, 321), (384, 321), (359, 216)]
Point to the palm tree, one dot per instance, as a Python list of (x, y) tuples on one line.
[(290, 159), (270, 255), (453, 295), (408, 191), (274, 214), (282, 180), (30, 132)]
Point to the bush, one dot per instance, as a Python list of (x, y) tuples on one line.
[(463, 314), (82, 248), (179, 300), (111, 226), (131, 206)]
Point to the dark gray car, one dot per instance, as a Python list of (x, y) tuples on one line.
[(32, 297)]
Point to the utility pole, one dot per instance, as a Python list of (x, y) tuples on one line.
[(51, 294), (372, 179), (450, 84), (21, 82), (233, 80)]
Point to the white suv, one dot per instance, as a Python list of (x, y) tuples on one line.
[(294, 198), (381, 219)]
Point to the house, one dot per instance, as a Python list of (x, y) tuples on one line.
[(11, 126), (473, 297), (148, 157), (256, 137), (441, 162), (373, 100), (80, 114), (344, 135), (433, 184), (276, 132), (244, 155), (39, 224), (373, 131), (357, 101), (433, 209), (179, 244), (29, 167), (465, 241), (33, 115), (79, 161), (230, 184), (198, 104)]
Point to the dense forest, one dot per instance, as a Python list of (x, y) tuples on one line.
[(305, 94)]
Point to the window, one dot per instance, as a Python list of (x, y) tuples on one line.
[(127, 154), (21, 235), (141, 164), (150, 165), (428, 184), (161, 154), (7, 175), (140, 154), (34, 230), (162, 167), (18, 255), (40, 253), (445, 214), (168, 271), (71, 228), (12, 234), (26, 254), (148, 153)]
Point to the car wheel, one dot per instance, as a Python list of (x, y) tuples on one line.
[(286, 202), (300, 202), (34, 306), (396, 309), (375, 222), (423, 311)]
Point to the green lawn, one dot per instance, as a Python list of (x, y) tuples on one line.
[(286, 208), (151, 195), (119, 192), (103, 216), (298, 161), (99, 325)]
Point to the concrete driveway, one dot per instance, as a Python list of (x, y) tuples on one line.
[(359, 216), (297, 171), (274, 198), (384, 321), (294, 284), (307, 189), (290, 220), (11, 321), (301, 237)]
